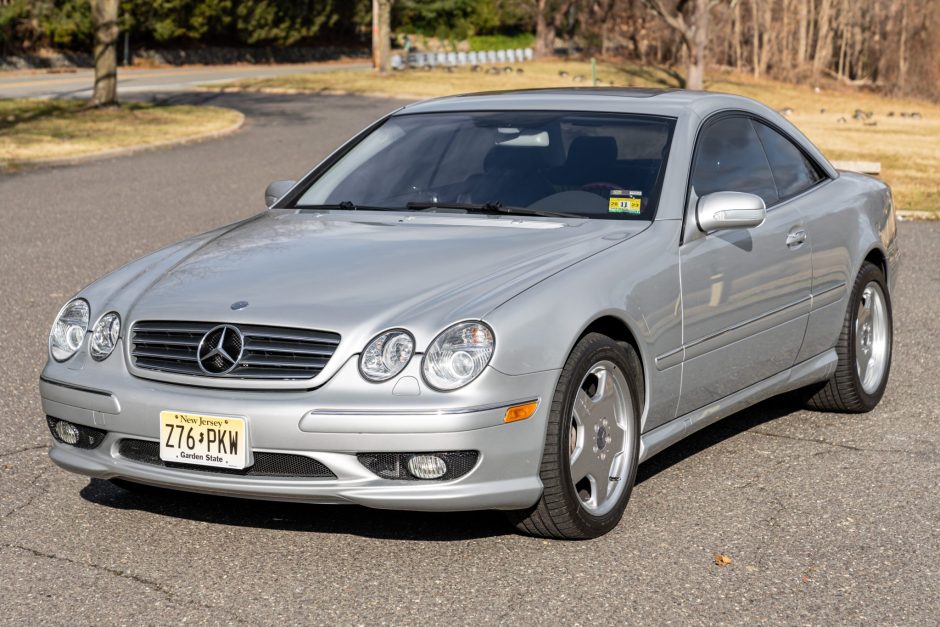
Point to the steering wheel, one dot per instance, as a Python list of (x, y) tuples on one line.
[(600, 186)]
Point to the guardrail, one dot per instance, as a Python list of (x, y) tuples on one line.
[(451, 59)]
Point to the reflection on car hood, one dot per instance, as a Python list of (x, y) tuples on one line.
[(340, 271)]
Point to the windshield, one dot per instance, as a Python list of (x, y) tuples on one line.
[(594, 165)]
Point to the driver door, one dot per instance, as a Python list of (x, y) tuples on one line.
[(745, 292)]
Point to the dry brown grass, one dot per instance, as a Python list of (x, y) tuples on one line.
[(908, 149), (42, 130)]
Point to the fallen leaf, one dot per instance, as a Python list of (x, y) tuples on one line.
[(722, 560)]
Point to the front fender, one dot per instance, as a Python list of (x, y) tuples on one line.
[(635, 282)]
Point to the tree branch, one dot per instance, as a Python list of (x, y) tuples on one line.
[(676, 22)]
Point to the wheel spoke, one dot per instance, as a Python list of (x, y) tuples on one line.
[(863, 363), (584, 409), (601, 484), (583, 464)]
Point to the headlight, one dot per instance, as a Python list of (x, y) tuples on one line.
[(458, 355), (68, 331), (386, 355), (105, 335)]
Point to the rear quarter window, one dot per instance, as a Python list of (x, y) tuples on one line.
[(793, 171)]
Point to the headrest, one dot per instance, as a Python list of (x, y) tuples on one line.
[(515, 158), (592, 150)]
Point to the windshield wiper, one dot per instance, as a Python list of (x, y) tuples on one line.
[(490, 207), (344, 205)]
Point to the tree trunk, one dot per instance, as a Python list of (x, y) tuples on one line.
[(755, 39), (544, 31), (694, 35), (381, 35), (105, 17), (902, 50), (767, 35), (823, 37), (843, 40), (803, 21), (699, 40), (738, 61)]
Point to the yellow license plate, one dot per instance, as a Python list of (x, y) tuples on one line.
[(203, 440)]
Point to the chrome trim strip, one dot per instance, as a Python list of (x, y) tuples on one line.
[(673, 358), (72, 386), (737, 327), (78, 397), (421, 412), (829, 295), (733, 333)]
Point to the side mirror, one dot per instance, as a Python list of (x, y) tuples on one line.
[(275, 191), (730, 210)]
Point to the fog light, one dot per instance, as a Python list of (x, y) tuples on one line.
[(67, 432), (75, 435), (427, 466)]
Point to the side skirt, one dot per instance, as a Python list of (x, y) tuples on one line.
[(818, 368)]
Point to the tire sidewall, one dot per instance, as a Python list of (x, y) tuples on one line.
[(591, 350)]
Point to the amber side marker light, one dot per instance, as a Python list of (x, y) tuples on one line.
[(521, 412)]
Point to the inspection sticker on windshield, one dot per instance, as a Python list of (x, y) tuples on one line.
[(624, 201)]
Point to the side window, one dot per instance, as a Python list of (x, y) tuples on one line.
[(730, 159), (793, 172)]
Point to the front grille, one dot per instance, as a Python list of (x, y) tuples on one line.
[(266, 464), (395, 465), (265, 352)]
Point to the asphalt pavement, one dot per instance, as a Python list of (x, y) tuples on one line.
[(826, 518), (78, 82)]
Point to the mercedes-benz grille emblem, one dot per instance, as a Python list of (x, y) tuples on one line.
[(220, 350)]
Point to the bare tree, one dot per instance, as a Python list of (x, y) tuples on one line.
[(381, 35), (549, 17), (104, 14), (694, 32)]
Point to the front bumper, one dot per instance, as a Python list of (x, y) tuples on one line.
[(331, 424)]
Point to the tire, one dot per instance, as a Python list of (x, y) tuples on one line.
[(605, 378), (846, 391)]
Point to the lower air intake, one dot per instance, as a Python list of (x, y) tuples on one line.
[(266, 464), (395, 465)]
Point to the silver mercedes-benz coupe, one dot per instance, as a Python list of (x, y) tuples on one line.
[(494, 301)]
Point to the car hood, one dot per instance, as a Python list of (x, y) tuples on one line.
[(357, 274)]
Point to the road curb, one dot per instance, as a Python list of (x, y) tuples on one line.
[(918, 216), (130, 150)]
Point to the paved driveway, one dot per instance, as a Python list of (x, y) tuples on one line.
[(827, 518)]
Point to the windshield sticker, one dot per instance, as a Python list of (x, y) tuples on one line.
[(625, 201)]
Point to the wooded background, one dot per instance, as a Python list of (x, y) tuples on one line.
[(889, 45)]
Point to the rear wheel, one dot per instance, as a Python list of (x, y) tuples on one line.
[(864, 349), (591, 445)]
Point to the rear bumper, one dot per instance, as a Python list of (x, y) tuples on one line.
[(321, 424)]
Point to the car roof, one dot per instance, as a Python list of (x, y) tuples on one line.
[(666, 102)]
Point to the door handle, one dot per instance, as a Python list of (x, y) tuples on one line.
[(796, 238)]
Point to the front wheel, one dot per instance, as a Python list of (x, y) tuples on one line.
[(591, 445), (864, 348)]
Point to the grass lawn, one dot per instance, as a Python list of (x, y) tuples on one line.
[(42, 130), (908, 149)]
